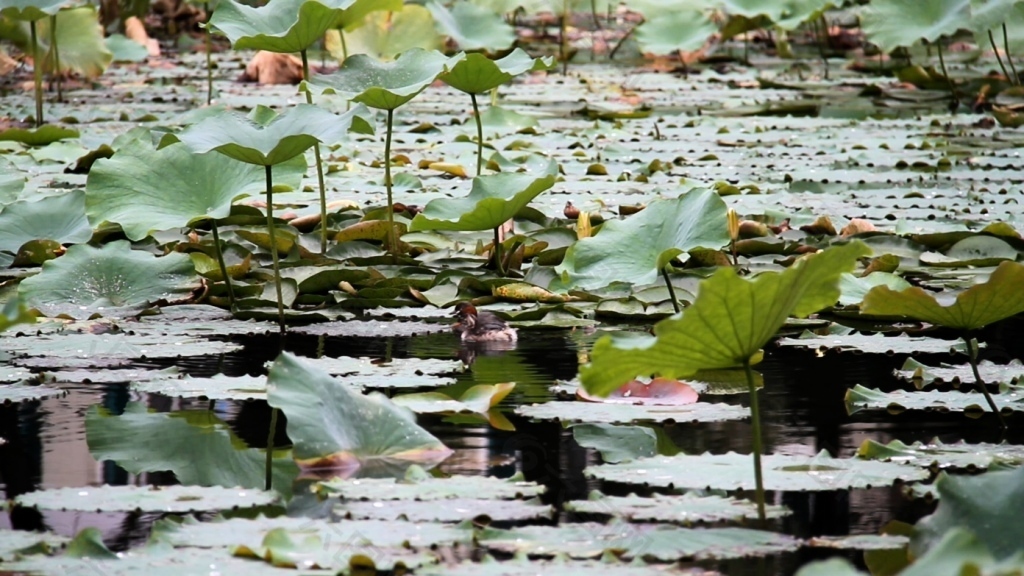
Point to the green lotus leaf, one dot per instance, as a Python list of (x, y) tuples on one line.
[(472, 27), (960, 551), (385, 35), (476, 73), (935, 453), (729, 322), (989, 14), (419, 485), (923, 375), (87, 279), (217, 387), (15, 543), (637, 248), (60, 218), (197, 446), (40, 136), (875, 344), (617, 443), (124, 49), (493, 200), (859, 398), (521, 565), (398, 373), (335, 426), (455, 510), (147, 190), (279, 26), (68, 349), (614, 413), (290, 547), (797, 12), (852, 289), (265, 138), (14, 313), (79, 38), (355, 15), (477, 400), (14, 393), (165, 499), (383, 85), (980, 305), (12, 180), (830, 567), (1013, 19), (988, 505), (28, 10), (890, 24), (679, 29), (88, 543), (676, 509), (977, 251)]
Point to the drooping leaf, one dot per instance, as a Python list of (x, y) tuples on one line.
[(891, 24), (476, 73), (279, 26), (383, 85), (472, 27), (88, 280), (729, 322), (334, 426), (637, 249), (166, 499), (60, 218), (493, 200)]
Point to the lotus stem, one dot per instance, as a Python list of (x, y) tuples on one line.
[(671, 290), (822, 39), (755, 417), (972, 356), (611, 55), (497, 250), (209, 55), (273, 246), (319, 163), (564, 38), (56, 57), (597, 19), (223, 266), (952, 89), (392, 241), (37, 69), (269, 470), (479, 135), (995, 50), (1009, 59)]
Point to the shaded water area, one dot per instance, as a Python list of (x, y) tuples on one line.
[(802, 410)]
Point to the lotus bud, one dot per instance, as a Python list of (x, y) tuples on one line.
[(734, 225)]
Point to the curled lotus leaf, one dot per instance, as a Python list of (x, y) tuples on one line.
[(958, 455), (1010, 398), (280, 26)]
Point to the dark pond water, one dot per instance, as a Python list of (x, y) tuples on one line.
[(802, 404)]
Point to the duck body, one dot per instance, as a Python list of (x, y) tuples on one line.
[(477, 326)]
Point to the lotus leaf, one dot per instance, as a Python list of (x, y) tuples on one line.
[(922, 375), (637, 249), (852, 289), (280, 26), (648, 541), (279, 549), (520, 565), (15, 393), (978, 306), (383, 85), (472, 27), (454, 510), (40, 136), (420, 486), (478, 399), (387, 34), (80, 41), (109, 376), (218, 387), (684, 509), (13, 373), (617, 443), (28, 10), (859, 398), (830, 567), (398, 373), (123, 49), (353, 17), (891, 24), (960, 551), (937, 454), (166, 499), (476, 73), (334, 426), (60, 218), (875, 344), (197, 446), (729, 322), (860, 542), (627, 413), (493, 200), (371, 329), (733, 472), (14, 313), (684, 29), (15, 543)]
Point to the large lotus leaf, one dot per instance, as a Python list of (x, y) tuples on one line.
[(729, 322), (973, 251), (1014, 20), (28, 10), (15, 393), (733, 472), (476, 73), (980, 305), (384, 85), (88, 280), (217, 387), (60, 218), (647, 541), (988, 14), (419, 485), (279, 26), (493, 200), (79, 39), (922, 375), (455, 510), (595, 412), (472, 27), (334, 426), (12, 180), (267, 139), (398, 373), (875, 344), (385, 35), (683, 28), (676, 509), (636, 249), (354, 16), (279, 548), (617, 443), (147, 190), (858, 398), (988, 505), (166, 499), (14, 543), (796, 12), (891, 24), (960, 551), (853, 288), (197, 446), (935, 453)]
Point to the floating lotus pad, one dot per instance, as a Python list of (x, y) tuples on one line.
[(60, 218), (218, 387), (283, 548), (423, 487), (10, 393), (625, 413), (65, 349), (876, 344), (684, 509), (453, 510), (923, 375), (14, 374), (935, 453), (860, 542), (651, 542), (109, 376), (167, 499), (14, 543), (521, 565), (371, 329), (734, 472), (859, 398), (398, 373)]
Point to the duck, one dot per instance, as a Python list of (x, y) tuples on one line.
[(477, 326)]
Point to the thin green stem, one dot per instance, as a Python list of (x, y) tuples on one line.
[(37, 68), (273, 246), (344, 56), (822, 39), (497, 250), (479, 135), (949, 81), (615, 49), (992, 41), (209, 55), (755, 417), (1009, 59), (564, 38), (392, 240), (319, 163), (56, 57), (972, 355), (269, 470), (671, 290), (223, 266)]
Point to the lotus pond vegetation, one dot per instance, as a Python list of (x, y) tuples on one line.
[(756, 269)]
